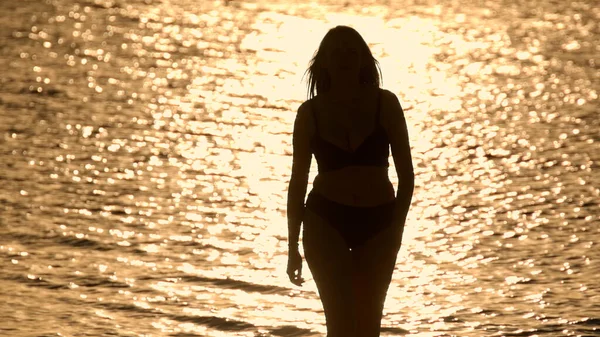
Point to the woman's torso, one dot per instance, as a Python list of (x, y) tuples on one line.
[(347, 124)]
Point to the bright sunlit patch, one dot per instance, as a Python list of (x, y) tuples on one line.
[(161, 142)]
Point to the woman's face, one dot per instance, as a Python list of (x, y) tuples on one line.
[(343, 59)]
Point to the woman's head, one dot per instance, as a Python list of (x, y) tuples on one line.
[(342, 54)]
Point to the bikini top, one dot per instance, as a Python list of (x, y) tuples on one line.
[(374, 150)]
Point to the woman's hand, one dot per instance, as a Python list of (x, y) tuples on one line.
[(294, 267)]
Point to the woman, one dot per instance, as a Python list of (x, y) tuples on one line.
[(353, 222)]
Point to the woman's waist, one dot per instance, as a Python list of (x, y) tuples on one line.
[(356, 176), (357, 191)]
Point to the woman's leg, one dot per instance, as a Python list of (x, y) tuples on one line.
[(373, 264), (329, 260)]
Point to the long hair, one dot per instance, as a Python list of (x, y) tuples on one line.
[(318, 77)]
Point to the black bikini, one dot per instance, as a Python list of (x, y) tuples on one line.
[(374, 151), (355, 224)]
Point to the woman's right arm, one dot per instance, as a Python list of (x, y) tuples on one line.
[(301, 159)]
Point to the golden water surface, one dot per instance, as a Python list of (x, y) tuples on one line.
[(146, 150)]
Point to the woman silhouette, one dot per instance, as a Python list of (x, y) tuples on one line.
[(353, 222)]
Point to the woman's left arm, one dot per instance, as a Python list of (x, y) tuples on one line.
[(398, 135)]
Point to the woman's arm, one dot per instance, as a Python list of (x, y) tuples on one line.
[(301, 159), (398, 135)]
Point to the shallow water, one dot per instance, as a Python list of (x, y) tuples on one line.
[(146, 150)]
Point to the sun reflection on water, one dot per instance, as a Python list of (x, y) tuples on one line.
[(150, 144)]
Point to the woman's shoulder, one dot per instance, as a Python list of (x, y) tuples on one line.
[(389, 100), (387, 95), (391, 110), (304, 115), (306, 107)]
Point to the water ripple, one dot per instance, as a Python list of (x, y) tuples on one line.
[(146, 150)]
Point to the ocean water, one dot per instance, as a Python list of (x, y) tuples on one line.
[(146, 149)]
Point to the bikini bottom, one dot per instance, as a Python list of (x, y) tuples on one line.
[(356, 225)]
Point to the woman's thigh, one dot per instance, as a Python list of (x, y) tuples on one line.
[(329, 260), (379, 252), (373, 265)]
